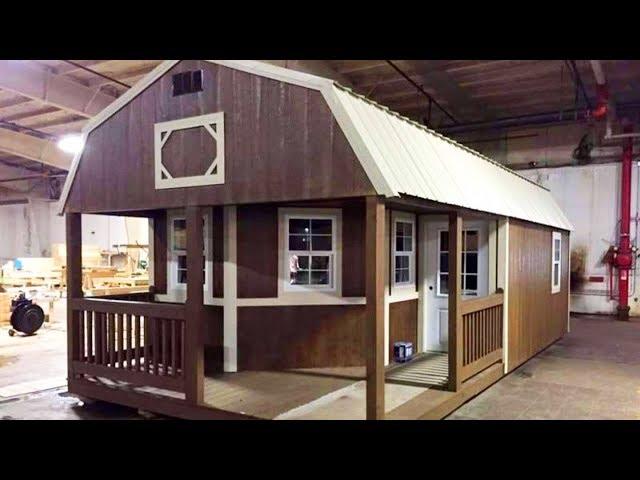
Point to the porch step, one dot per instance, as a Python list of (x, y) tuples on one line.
[(430, 369)]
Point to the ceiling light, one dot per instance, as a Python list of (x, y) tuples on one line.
[(71, 143)]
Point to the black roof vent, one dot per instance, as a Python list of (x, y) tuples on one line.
[(187, 82)]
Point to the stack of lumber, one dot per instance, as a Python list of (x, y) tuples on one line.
[(5, 308), (35, 271), (91, 255)]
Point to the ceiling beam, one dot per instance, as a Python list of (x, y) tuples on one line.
[(313, 67), (446, 87), (30, 81), (37, 149)]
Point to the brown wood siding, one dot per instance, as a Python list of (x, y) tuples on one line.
[(272, 338), (353, 253), (213, 333), (217, 252), (281, 144), (257, 229), (403, 324), (537, 317)]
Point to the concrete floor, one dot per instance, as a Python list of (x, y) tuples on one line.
[(591, 373)]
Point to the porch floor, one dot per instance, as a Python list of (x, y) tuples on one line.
[(430, 369), (267, 394)]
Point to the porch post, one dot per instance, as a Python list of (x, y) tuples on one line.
[(74, 286), (455, 318), (159, 257), (374, 319), (193, 342)]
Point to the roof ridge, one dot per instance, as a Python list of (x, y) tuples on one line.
[(433, 132)]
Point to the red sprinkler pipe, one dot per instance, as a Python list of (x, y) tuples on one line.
[(624, 257)]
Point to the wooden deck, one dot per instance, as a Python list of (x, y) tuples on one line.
[(435, 404), (430, 369), (267, 394)]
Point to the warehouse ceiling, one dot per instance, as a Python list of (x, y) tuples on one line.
[(43, 100)]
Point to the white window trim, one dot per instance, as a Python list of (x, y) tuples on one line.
[(438, 272), (178, 291), (404, 217), (556, 236), (311, 293)]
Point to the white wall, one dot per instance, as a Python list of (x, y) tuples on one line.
[(590, 197), (28, 230)]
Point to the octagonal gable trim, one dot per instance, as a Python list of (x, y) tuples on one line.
[(212, 123)]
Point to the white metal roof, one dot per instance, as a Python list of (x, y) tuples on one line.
[(404, 157), (399, 156)]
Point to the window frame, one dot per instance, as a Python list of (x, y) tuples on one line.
[(172, 255), (555, 288), (403, 217), (463, 264), (334, 257)]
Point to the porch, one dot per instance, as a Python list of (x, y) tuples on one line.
[(151, 355)]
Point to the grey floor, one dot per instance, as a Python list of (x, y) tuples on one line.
[(591, 373)]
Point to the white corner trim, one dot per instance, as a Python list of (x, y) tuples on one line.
[(360, 148), (275, 72), (230, 269), (503, 274)]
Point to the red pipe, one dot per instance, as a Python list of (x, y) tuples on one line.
[(624, 256)]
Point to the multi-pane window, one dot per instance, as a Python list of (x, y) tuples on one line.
[(470, 250), (310, 252), (178, 274), (403, 252), (556, 252)]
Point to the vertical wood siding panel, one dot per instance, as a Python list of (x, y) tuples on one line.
[(282, 144), (536, 316)]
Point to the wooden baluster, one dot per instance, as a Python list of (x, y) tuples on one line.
[(81, 325), (174, 348), (155, 346), (165, 347), (111, 334), (120, 341), (147, 341), (182, 346), (105, 346), (90, 357), (98, 329), (128, 321), (137, 341)]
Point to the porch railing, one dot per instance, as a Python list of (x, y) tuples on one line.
[(481, 333), (135, 342)]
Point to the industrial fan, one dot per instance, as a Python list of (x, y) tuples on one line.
[(26, 316)]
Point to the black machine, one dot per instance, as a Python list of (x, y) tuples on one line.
[(26, 316)]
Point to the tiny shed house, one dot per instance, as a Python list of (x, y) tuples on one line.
[(297, 225)]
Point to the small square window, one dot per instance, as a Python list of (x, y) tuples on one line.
[(187, 82)]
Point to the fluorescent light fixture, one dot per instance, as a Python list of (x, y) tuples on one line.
[(71, 143)]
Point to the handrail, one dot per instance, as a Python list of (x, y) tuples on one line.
[(482, 303), (156, 310)]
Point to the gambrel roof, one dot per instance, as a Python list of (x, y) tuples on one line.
[(400, 156)]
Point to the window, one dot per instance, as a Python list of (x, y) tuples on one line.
[(556, 252), (403, 250), (177, 270), (470, 250), (310, 251), (187, 82)]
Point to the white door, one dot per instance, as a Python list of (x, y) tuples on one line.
[(475, 273)]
